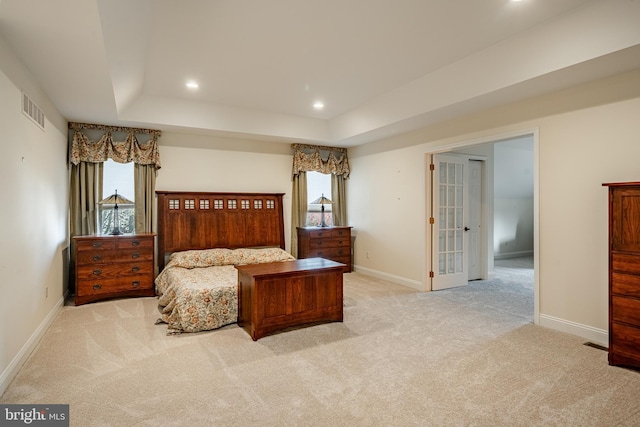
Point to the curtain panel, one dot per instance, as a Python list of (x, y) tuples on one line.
[(339, 197), (85, 191), (144, 188), (298, 208)]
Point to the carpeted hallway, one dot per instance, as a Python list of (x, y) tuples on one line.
[(462, 357)]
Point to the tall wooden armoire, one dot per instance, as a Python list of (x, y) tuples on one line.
[(624, 274)]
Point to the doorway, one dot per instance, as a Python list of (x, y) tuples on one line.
[(509, 215)]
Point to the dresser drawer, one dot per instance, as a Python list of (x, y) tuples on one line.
[(330, 253), (109, 256), (98, 271), (95, 245), (628, 263), (625, 284), (135, 242), (329, 242), (625, 310), (106, 243), (625, 339), (108, 286), (329, 232)]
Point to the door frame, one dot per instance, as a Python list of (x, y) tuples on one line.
[(455, 145)]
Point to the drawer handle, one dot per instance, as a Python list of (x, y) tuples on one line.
[(135, 243), (97, 272), (340, 252), (96, 287), (135, 284), (135, 269), (97, 244), (97, 257), (135, 255)]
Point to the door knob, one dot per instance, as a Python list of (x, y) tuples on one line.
[(467, 229)]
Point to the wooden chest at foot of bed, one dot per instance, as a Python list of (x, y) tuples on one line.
[(278, 295), (113, 266)]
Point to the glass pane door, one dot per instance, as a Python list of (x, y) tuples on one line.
[(449, 181)]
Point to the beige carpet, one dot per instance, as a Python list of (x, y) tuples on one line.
[(464, 357)]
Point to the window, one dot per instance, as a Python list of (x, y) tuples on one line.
[(118, 176), (318, 184)]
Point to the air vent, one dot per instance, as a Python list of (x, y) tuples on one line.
[(31, 110)]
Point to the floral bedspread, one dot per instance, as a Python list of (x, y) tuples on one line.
[(198, 290)]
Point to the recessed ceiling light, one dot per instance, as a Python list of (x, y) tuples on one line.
[(192, 85), (318, 105)]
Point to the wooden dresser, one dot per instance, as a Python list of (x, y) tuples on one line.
[(624, 274), (332, 243), (114, 266)]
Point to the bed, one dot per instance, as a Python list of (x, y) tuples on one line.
[(198, 290), (202, 236)]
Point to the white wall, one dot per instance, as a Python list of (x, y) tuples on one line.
[(187, 167), (513, 227), (33, 216), (513, 198), (580, 151), (587, 135), (386, 207)]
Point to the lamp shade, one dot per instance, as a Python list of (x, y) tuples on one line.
[(321, 201), (115, 199)]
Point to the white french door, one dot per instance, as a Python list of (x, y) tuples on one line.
[(449, 219)]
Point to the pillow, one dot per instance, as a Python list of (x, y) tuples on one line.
[(261, 255), (223, 256), (201, 258)]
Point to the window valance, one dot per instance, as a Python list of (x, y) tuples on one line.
[(128, 150), (330, 160)]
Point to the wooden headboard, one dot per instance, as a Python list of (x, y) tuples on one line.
[(199, 220)]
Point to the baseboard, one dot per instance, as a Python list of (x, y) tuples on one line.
[(591, 334), (12, 369), (414, 284), (507, 255)]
